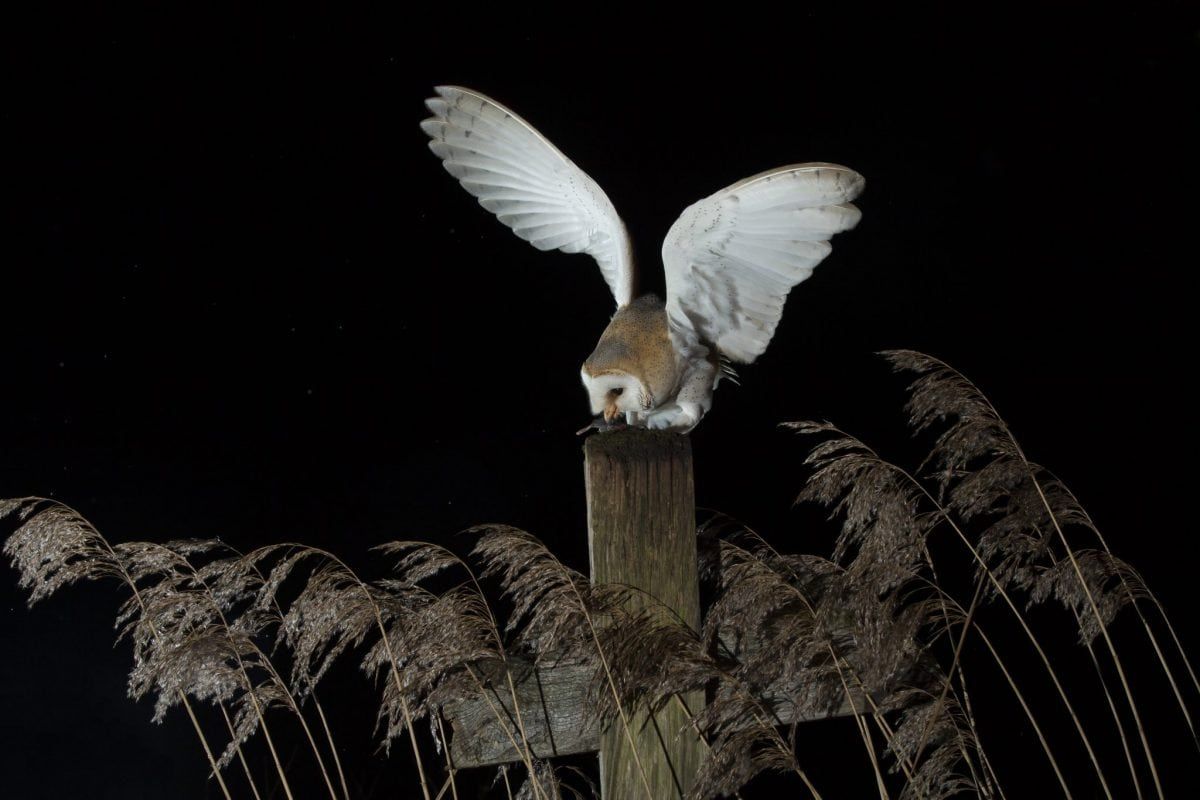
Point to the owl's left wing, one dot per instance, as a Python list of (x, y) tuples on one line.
[(732, 258), (524, 180)]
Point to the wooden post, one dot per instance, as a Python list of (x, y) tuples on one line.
[(642, 533)]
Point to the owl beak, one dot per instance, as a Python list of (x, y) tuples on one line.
[(611, 412)]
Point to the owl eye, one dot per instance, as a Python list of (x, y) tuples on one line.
[(617, 392)]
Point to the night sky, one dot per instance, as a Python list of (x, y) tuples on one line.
[(242, 299)]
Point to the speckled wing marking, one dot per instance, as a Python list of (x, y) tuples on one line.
[(524, 180), (732, 258)]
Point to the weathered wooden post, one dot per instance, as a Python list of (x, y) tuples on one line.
[(642, 533)]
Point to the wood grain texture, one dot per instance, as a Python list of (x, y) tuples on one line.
[(642, 533), (553, 701)]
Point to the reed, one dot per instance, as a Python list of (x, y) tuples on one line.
[(958, 559)]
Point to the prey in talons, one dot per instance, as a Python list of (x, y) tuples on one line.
[(604, 424)]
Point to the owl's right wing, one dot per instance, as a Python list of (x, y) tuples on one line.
[(732, 258), (524, 180)]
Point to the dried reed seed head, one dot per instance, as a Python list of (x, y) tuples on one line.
[(550, 786), (554, 608), (420, 560), (1108, 585), (734, 759), (332, 613), (54, 547)]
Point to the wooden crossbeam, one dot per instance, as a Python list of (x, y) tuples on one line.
[(553, 701)]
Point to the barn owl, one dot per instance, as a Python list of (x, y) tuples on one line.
[(730, 259)]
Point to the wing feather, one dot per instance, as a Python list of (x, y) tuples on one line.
[(732, 258), (531, 187)]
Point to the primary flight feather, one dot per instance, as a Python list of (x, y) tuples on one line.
[(730, 259)]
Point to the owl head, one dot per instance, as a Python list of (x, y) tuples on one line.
[(613, 392)]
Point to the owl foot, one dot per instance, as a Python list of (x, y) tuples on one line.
[(679, 417)]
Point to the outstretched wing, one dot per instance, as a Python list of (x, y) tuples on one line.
[(731, 258), (525, 181)]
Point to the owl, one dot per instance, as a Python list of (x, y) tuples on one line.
[(730, 259)]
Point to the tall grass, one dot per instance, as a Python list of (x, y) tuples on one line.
[(957, 560)]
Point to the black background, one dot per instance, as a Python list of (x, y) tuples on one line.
[(242, 299)]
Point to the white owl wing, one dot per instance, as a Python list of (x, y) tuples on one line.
[(731, 258), (524, 180)]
